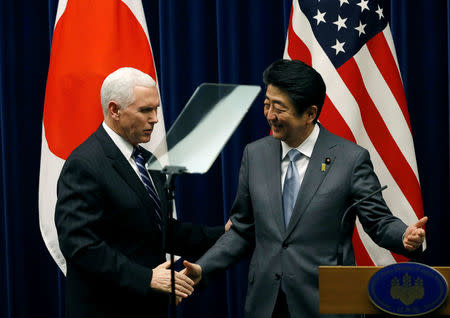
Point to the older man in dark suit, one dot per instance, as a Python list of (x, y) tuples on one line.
[(294, 187), (110, 214)]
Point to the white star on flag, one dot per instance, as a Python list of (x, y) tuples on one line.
[(320, 17), (340, 22), (339, 47), (363, 4), (380, 12), (342, 2), (360, 28)]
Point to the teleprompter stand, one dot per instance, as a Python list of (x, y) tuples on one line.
[(171, 172), (197, 137)]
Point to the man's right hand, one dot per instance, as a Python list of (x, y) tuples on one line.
[(193, 271), (161, 281)]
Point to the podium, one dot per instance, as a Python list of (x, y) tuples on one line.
[(343, 290)]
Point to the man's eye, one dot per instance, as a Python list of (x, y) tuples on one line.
[(277, 110)]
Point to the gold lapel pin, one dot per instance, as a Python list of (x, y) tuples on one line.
[(323, 167)]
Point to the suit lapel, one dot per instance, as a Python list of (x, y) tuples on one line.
[(272, 173), (124, 168), (314, 176)]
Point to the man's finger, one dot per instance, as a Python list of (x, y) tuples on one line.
[(179, 290), (189, 268), (419, 234), (414, 242), (184, 278), (166, 264), (421, 222), (181, 294), (192, 267), (183, 286), (188, 290), (188, 264), (183, 271)]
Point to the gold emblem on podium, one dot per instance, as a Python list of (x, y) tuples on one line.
[(406, 291)]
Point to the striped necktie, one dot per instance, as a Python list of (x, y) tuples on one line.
[(291, 186), (140, 162)]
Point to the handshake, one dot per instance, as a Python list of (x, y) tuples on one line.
[(185, 280)]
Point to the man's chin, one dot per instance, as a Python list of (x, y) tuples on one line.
[(277, 135), (144, 140)]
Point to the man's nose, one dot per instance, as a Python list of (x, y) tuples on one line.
[(153, 119), (270, 114)]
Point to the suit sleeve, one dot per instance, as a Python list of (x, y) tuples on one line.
[(240, 239), (377, 220), (191, 240), (77, 216)]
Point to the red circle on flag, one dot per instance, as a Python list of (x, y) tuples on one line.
[(90, 40)]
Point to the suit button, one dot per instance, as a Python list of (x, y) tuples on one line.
[(277, 276), (285, 245)]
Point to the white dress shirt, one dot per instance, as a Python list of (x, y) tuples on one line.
[(125, 148), (305, 148)]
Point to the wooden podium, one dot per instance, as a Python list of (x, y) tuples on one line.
[(343, 290)]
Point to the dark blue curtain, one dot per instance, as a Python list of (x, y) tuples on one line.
[(196, 41), (421, 34)]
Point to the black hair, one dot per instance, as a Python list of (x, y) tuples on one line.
[(303, 84)]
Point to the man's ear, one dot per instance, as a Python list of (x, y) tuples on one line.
[(114, 110), (311, 112)]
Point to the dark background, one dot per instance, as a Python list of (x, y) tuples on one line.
[(226, 41)]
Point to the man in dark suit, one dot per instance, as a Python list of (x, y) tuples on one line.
[(110, 214), (294, 187)]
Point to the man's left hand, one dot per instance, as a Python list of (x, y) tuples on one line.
[(415, 235)]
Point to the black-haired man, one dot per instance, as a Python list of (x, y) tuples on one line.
[(294, 187)]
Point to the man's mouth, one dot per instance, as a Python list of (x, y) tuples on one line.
[(275, 126)]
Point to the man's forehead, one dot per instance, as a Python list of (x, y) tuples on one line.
[(273, 92), (151, 91)]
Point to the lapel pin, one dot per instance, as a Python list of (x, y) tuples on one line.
[(323, 167)]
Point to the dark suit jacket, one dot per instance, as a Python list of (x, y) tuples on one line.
[(290, 258), (108, 234)]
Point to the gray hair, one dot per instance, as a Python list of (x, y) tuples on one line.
[(119, 85)]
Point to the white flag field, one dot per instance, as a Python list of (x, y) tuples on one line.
[(91, 39)]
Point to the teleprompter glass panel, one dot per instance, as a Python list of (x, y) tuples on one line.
[(204, 126)]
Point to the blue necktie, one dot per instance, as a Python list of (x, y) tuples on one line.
[(140, 162), (291, 186)]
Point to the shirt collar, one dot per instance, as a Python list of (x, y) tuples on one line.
[(124, 146), (306, 147)]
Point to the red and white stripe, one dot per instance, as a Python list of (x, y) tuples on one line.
[(366, 103)]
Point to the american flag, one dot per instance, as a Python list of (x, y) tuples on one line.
[(349, 43)]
